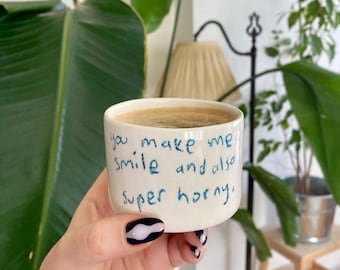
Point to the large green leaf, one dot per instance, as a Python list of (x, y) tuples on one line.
[(152, 12), (276, 189), (315, 97), (24, 5), (282, 195), (59, 70), (254, 235)]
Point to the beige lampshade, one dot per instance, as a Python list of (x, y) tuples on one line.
[(199, 70)]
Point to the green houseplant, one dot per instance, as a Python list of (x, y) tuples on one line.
[(309, 94), (310, 35), (315, 99), (311, 26)]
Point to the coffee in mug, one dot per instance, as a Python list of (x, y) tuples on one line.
[(177, 117)]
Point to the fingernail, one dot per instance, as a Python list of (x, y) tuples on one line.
[(196, 251), (144, 230), (202, 235)]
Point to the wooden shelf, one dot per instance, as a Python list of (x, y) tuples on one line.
[(302, 255)]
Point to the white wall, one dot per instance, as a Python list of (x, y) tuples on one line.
[(226, 246)]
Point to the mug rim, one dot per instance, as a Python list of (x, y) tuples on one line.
[(146, 103)]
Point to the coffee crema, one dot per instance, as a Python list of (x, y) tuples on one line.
[(177, 117)]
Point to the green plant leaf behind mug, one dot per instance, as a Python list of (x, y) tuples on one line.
[(314, 93), (254, 235), (59, 71), (283, 197), (152, 12)]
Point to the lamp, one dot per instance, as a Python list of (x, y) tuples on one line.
[(199, 70)]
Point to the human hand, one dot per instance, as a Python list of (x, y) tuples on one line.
[(98, 239)]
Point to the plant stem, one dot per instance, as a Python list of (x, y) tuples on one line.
[(54, 158), (299, 173), (171, 46), (306, 160), (284, 133), (300, 30), (308, 170), (306, 182)]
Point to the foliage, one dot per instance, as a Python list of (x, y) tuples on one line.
[(273, 112), (311, 25), (16, 6), (60, 69), (254, 235), (281, 194), (314, 95), (152, 12)]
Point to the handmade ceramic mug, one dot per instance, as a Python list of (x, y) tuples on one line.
[(176, 159)]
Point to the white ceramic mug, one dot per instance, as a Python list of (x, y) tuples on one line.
[(190, 178)]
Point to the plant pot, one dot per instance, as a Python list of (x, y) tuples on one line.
[(317, 211)]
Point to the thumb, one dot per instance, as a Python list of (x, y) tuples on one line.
[(109, 238)]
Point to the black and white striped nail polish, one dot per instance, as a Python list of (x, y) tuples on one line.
[(196, 251), (144, 230), (202, 235)]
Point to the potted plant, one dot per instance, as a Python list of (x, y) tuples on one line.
[(313, 23)]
